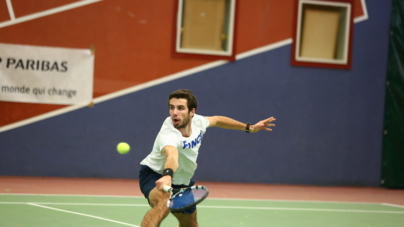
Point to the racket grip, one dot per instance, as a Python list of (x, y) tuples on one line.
[(167, 188)]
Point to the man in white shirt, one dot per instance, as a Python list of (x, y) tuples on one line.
[(173, 158)]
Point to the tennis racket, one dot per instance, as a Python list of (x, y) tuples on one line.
[(185, 198)]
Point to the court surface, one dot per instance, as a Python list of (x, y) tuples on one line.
[(68, 210), (372, 207)]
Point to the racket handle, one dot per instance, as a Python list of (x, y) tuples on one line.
[(167, 188)]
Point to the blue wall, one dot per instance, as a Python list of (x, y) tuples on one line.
[(329, 122)]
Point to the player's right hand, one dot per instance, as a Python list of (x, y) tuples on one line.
[(165, 180)]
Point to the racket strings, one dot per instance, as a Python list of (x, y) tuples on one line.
[(182, 198), (186, 197)]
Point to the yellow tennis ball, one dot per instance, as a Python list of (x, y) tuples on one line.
[(123, 148)]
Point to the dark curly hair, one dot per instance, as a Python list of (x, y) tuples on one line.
[(185, 94)]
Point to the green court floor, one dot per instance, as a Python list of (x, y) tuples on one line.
[(77, 211)]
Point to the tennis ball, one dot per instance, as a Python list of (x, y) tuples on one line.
[(123, 148)]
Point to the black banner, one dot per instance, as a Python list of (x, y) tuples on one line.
[(393, 139)]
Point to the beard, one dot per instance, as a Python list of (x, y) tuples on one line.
[(183, 123)]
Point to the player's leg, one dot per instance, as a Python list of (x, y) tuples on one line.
[(158, 201), (187, 220)]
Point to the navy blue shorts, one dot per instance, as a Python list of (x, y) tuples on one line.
[(147, 181)]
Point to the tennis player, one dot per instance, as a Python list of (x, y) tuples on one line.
[(172, 161)]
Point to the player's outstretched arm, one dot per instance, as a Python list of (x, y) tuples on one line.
[(171, 154), (229, 123)]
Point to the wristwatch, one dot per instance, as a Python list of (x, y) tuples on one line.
[(247, 128)]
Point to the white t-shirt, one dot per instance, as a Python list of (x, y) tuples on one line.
[(187, 148)]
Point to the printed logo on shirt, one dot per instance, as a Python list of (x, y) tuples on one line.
[(192, 143)]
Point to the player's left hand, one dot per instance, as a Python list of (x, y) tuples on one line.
[(263, 125)]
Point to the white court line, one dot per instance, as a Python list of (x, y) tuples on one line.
[(212, 207), (113, 196), (10, 9), (78, 204), (392, 205), (304, 209), (43, 13), (213, 198), (86, 215), (157, 81), (295, 201)]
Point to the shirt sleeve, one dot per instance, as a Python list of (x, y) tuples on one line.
[(166, 138), (203, 122)]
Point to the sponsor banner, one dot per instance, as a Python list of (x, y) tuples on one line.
[(46, 74)]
